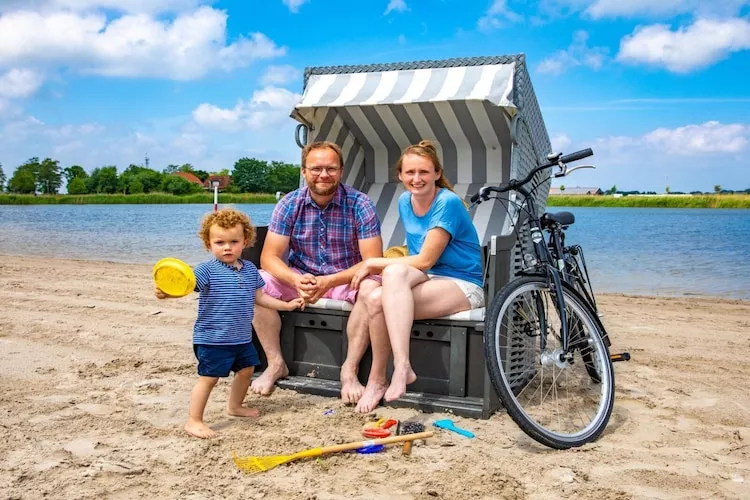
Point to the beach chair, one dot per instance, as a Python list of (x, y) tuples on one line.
[(484, 117)]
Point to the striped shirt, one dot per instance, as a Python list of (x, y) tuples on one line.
[(227, 302), (325, 240)]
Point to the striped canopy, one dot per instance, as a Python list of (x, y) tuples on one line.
[(492, 83), (466, 110)]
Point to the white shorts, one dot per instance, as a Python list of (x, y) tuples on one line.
[(474, 293)]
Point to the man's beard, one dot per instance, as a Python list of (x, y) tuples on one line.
[(323, 191)]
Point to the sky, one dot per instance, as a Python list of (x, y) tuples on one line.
[(659, 89)]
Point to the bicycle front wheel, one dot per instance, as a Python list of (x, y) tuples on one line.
[(550, 393)]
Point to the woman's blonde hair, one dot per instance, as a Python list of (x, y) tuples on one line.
[(426, 149), (226, 218)]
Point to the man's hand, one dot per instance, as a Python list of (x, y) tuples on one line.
[(322, 285), (306, 284)]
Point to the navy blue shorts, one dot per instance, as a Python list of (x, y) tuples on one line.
[(219, 360)]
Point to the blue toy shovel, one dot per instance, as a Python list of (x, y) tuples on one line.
[(448, 424)]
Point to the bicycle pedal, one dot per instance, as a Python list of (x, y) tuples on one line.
[(623, 356)]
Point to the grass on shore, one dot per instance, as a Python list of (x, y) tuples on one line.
[(133, 199), (657, 201)]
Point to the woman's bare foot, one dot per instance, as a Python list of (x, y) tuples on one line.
[(265, 384), (371, 398), (198, 429), (351, 388), (402, 376), (244, 412)]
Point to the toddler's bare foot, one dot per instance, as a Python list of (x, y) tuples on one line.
[(371, 398), (244, 412), (402, 376), (198, 429), (264, 385)]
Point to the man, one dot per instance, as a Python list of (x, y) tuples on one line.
[(328, 229)]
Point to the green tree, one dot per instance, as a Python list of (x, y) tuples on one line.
[(717, 188), (140, 179), (223, 171), (103, 180), (613, 189), (2, 178), (49, 176), (186, 168), (177, 185), (283, 177), (201, 174), (23, 181), (251, 175), (76, 172), (666, 189), (77, 185), (170, 169)]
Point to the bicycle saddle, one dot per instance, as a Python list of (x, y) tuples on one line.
[(562, 218)]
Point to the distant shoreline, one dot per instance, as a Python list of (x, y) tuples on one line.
[(741, 201), (134, 199), (652, 201)]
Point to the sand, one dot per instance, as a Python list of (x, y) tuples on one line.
[(95, 375)]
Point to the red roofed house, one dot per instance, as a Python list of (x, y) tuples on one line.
[(224, 181), (190, 177)]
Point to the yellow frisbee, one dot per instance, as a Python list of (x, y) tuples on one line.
[(174, 277)]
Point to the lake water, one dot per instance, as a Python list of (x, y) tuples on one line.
[(661, 251)]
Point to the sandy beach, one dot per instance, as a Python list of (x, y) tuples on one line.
[(96, 373)]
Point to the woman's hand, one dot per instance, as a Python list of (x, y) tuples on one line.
[(363, 272)]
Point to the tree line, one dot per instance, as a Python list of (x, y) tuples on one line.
[(249, 175)]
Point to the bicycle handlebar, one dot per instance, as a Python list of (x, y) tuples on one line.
[(561, 161)]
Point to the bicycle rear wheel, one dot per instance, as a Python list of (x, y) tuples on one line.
[(552, 395)]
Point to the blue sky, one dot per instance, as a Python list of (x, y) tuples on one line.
[(658, 88)]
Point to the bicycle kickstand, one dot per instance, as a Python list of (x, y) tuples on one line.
[(622, 356)]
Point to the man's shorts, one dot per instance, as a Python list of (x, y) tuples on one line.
[(280, 290), (219, 360)]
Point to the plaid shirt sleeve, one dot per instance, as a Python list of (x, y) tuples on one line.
[(281, 218), (368, 224)]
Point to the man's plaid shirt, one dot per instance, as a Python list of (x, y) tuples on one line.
[(325, 241)]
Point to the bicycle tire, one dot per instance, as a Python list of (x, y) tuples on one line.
[(519, 369)]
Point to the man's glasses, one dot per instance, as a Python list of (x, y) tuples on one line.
[(319, 170)]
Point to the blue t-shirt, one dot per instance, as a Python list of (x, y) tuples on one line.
[(462, 256), (227, 302)]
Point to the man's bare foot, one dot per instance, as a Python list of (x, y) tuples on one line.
[(244, 412), (402, 377), (198, 429), (265, 384), (351, 389), (371, 398)]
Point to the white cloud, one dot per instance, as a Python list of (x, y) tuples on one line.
[(19, 83), (280, 75), (577, 54), (396, 6), (294, 5), (560, 143), (495, 15), (267, 107), (709, 137), (131, 6), (187, 47), (630, 8), (701, 44)]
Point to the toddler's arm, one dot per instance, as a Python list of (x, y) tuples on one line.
[(265, 300), (161, 294)]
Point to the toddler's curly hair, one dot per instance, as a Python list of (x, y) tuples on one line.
[(227, 218)]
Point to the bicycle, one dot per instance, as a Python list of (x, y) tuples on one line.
[(547, 351)]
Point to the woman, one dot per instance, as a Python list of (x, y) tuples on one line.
[(441, 275)]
